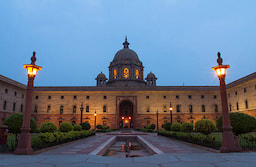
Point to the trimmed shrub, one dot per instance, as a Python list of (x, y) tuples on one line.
[(241, 123), (205, 126), (186, 127), (14, 123), (152, 126), (48, 127), (175, 126), (85, 126), (65, 127), (167, 126), (105, 127), (99, 127), (77, 127)]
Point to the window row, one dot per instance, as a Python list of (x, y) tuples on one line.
[(126, 73), (190, 108), (61, 109), (13, 106), (15, 93), (189, 96), (246, 104), (244, 90), (74, 97)]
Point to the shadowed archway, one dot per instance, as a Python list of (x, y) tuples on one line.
[(126, 115)]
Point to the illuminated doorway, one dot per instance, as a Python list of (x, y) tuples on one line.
[(126, 115)]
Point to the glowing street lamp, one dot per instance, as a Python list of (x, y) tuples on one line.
[(228, 140), (170, 109), (24, 143)]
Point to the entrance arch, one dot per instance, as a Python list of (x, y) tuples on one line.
[(126, 115)]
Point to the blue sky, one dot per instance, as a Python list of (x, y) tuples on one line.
[(178, 40)]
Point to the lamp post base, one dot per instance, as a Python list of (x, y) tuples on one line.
[(230, 143), (24, 143)]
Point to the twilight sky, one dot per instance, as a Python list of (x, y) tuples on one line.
[(178, 40)]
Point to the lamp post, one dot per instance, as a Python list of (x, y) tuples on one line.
[(24, 143), (95, 120), (228, 141), (170, 109), (157, 120), (82, 109)]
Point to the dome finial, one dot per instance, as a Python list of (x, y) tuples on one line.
[(126, 43)]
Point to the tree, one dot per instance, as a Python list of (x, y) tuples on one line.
[(14, 123)]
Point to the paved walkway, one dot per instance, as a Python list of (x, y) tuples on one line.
[(175, 155)]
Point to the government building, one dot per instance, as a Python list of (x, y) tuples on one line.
[(127, 98)]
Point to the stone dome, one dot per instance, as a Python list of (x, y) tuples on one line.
[(126, 55), (151, 76), (101, 76)]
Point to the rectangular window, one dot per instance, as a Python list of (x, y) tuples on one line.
[(104, 123), (202, 96), (21, 108), (61, 109), (87, 97), (216, 108), (148, 122), (5, 104), (87, 108), (177, 96), (49, 97), (164, 97), (74, 109), (245, 90), (15, 93), (35, 108), (203, 108), (237, 106), (104, 97), (235, 92), (37, 97), (48, 108), (189, 96), (190, 108), (60, 122), (62, 97), (246, 104), (178, 108), (147, 97), (215, 97), (230, 107), (22, 96), (13, 106), (6, 90), (74, 97), (104, 108)]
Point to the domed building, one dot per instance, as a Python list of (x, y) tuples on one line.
[(126, 99)]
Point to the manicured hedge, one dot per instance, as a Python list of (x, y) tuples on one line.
[(48, 127), (77, 128), (167, 126), (186, 127), (197, 138), (175, 126), (205, 126), (241, 123), (85, 126), (65, 127), (50, 139)]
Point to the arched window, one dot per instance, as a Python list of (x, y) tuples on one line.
[(104, 108), (126, 73), (216, 108), (190, 108), (178, 108), (74, 109), (137, 73), (203, 108), (115, 74), (87, 108)]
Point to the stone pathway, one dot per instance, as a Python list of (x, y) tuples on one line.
[(175, 155)]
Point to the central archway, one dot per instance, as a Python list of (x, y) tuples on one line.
[(126, 116)]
